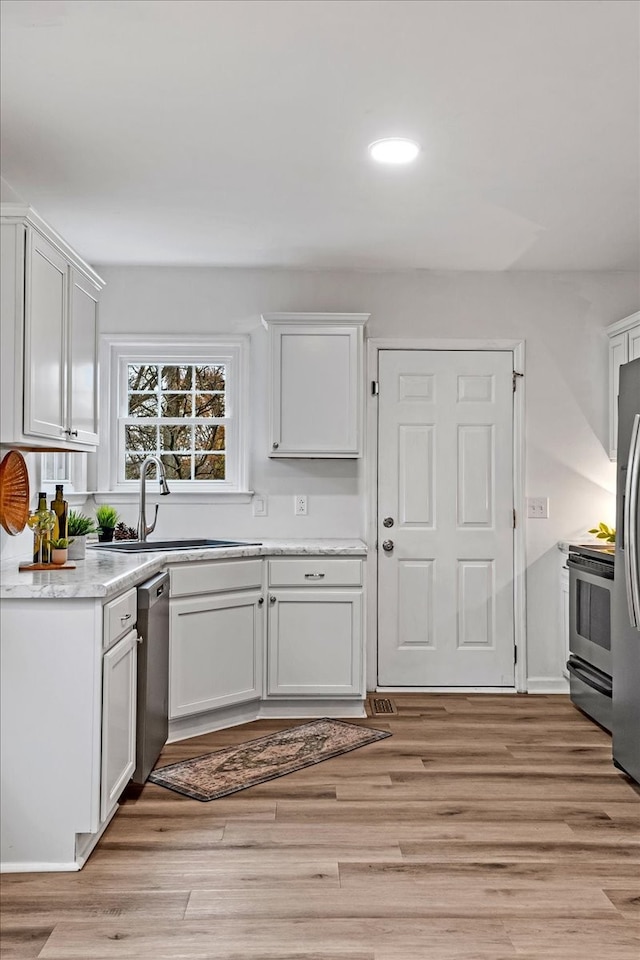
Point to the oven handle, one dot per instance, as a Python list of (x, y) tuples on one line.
[(588, 677), (629, 521), (592, 573)]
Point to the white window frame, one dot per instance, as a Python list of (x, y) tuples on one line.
[(118, 350), (74, 481)]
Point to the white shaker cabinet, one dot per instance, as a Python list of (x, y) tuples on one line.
[(316, 386), (49, 338), (624, 346), (216, 636), (314, 635), (118, 720)]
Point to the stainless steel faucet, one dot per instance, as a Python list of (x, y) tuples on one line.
[(143, 529)]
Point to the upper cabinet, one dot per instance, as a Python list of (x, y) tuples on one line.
[(624, 346), (49, 338), (316, 389)]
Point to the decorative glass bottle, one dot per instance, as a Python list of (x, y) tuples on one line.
[(42, 527), (60, 508)]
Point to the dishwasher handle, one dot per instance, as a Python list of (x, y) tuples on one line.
[(153, 591)]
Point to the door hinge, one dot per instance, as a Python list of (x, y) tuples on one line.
[(515, 520), (515, 654), (375, 388), (515, 379)]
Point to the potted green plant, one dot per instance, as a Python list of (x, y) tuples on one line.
[(107, 518), (59, 550), (79, 526), (603, 532)]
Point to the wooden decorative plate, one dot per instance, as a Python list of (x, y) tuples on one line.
[(14, 493)]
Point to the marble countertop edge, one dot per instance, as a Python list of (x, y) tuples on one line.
[(103, 574)]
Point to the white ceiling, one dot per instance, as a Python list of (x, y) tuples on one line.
[(235, 132)]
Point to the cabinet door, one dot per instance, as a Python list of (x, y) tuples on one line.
[(216, 652), (118, 720), (315, 642), (83, 365), (315, 402), (45, 340)]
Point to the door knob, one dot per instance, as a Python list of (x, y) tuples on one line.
[(260, 601), (387, 522), (272, 599), (387, 546)]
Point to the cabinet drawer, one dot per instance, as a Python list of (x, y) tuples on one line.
[(119, 617), (189, 579), (321, 572)]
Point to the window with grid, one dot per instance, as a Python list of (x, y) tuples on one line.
[(182, 405)]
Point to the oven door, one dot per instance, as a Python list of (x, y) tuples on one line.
[(590, 594)]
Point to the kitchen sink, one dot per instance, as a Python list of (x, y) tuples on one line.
[(149, 546)]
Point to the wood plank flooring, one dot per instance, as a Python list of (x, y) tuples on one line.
[(485, 828)]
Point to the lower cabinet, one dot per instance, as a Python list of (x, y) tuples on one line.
[(314, 642), (216, 651), (118, 720)]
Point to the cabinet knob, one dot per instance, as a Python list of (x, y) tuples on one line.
[(275, 444), (387, 546), (387, 522), (272, 599), (260, 601)]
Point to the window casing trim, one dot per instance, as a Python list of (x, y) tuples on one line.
[(116, 350)]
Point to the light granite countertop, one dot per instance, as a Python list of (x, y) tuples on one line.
[(104, 574)]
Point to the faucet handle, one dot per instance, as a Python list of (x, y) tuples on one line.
[(152, 527)]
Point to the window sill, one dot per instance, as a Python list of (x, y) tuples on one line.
[(180, 496)]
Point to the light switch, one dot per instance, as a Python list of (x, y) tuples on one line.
[(259, 506), (538, 508)]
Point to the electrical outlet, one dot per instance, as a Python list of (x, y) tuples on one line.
[(259, 506), (300, 505), (538, 508)]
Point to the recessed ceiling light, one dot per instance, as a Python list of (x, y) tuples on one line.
[(394, 150)]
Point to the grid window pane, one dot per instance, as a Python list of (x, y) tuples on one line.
[(143, 405), (177, 466), (211, 377), (176, 405), (141, 437), (177, 378), (175, 437), (132, 464), (142, 376), (211, 466), (210, 405), (210, 438)]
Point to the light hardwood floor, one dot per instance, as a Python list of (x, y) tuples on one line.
[(485, 828)]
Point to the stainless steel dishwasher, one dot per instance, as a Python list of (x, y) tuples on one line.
[(152, 727)]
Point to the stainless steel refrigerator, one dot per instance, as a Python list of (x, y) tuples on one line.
[(625, 626)]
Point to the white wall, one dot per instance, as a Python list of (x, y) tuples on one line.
[(561, 317)]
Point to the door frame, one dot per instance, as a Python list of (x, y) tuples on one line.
[(517, 349)]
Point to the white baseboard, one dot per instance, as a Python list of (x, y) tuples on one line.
[(461, 690), (547, 685), (39, 867), (185, 727)]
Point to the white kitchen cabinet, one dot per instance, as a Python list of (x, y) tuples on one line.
[(316, 386), (314, 632), (216, 651), (49, 337), (118, 720), (624, 346)]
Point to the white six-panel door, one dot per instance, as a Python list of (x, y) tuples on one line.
[(445, 489)]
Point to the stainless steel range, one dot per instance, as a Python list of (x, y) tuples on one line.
[(591, 572)]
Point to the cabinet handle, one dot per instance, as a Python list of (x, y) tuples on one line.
[(71, 433), (260, 601), (272, 599), (127, 616), (314, 576), (275, 444)]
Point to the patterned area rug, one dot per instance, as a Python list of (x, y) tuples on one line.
[(226, 771)]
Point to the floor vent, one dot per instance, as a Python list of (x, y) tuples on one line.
[(381, 706)]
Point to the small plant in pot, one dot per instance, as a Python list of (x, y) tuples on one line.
[(107, 518), (59, 550), (79, 526)]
